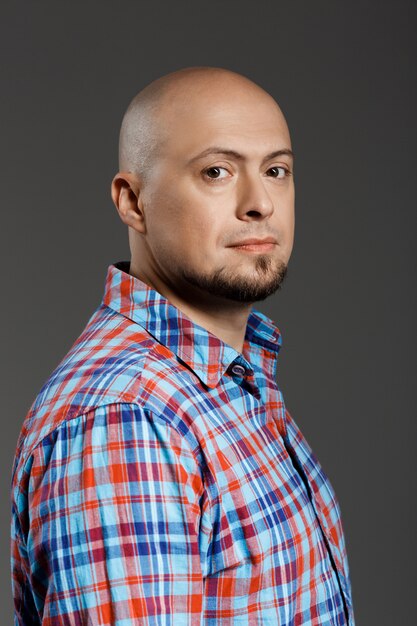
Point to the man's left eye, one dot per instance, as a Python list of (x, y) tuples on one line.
[(284, 171)]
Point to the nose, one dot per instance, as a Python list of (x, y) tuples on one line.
[(254, 201)]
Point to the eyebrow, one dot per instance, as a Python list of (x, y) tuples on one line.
[(238, 156)]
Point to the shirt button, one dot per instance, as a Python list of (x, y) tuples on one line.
[(239, 370), (272, 338)]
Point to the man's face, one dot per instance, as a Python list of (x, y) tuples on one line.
[(198, 207)]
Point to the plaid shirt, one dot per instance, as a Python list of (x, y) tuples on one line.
[(159, 479)]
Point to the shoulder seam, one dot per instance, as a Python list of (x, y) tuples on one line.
[(100, 406)]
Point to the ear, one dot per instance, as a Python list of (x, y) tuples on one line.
[(125, 192)]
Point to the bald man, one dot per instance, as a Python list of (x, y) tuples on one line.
[(159, 478)]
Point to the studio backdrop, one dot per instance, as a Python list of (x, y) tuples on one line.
[(344, 77)]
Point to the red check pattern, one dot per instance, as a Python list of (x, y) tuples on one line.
[(155, 482)]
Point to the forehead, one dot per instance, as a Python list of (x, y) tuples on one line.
[(248, 127)]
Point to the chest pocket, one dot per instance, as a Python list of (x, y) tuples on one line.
[(256, 512)]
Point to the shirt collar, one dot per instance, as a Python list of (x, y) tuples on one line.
[(206, 354)]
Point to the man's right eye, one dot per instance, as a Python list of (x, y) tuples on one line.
[(214, 169)]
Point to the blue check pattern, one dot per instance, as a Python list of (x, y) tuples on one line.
[(160, 479)]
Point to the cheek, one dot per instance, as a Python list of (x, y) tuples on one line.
[(181, 232), (289, 232), (195, 241), (179, 217), (291, 225), (200, 227)]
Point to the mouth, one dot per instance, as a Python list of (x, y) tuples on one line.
[(255, 245)]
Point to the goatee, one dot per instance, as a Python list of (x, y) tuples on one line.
[(240, 288)]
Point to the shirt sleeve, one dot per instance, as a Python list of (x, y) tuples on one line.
[(114, 501)]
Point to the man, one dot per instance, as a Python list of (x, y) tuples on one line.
[(159, 477)]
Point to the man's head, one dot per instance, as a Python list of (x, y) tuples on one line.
[(186, 211)]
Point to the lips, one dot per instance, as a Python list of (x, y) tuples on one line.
[(254, 242), (255, 246)]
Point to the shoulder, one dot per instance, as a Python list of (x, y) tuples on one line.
[(113, 362), (109, 452)]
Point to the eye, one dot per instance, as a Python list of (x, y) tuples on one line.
[(284, 171), (214, 169)]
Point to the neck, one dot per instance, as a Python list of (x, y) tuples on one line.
[(226, 319), (229, 324)]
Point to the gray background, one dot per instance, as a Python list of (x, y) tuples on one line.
[(344, 76)]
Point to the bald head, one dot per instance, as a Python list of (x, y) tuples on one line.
[(152, 112), (205, 162)]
